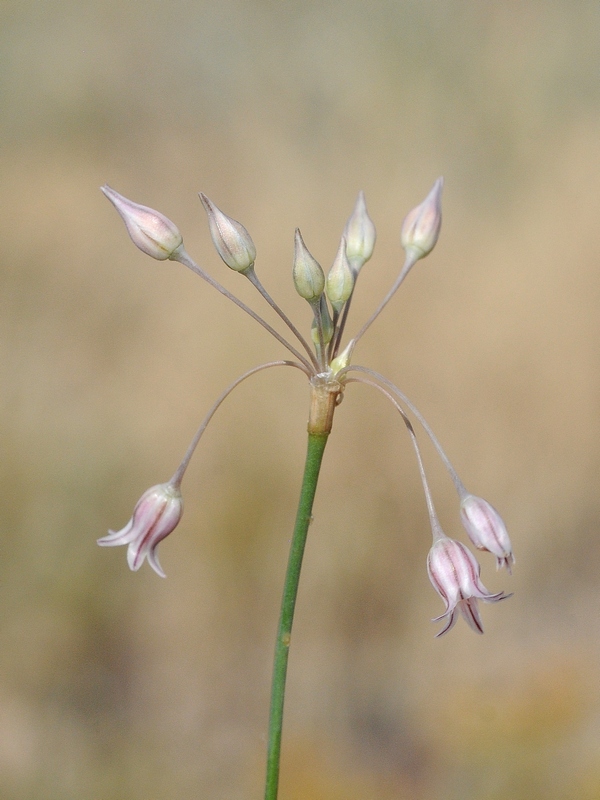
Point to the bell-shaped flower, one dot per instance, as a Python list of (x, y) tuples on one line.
[(231, 240), (150, 230), (454, 573), (156, 514), (486, 529), (421, 227)]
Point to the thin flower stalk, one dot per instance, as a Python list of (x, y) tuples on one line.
[(459, 485), (184, 258), (453, 570), (180, 471)]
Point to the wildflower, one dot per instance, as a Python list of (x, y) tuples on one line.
[(454, 573), (486, 529), (421, 227), (150, 230), (325, 359), (156, 514)]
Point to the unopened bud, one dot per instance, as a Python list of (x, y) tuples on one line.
[(421, 228), (231, 240), (308, 276), (360, 235), (340, 280), (486, 529), (149, 230)]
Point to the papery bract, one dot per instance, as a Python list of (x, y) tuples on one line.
[(454, 573), (156, 514)]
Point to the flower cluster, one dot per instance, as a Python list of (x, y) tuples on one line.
[(452, 568)]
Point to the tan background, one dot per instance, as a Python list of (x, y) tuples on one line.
[(116, 685)]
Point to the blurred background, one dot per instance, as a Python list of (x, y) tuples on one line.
[(118, 685)]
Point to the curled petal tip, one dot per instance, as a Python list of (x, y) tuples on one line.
[(155, 516)]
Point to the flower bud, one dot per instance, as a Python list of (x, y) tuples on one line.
[(340, 280), (486, 530), (421, 228), (308, 276), (150, 230), (360, 235), (156, 514), (231, 240), (454, 573)]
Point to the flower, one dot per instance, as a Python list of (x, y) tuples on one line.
[(454, 573), (150, 230), (156, 514), (486, 529), (421, 227)]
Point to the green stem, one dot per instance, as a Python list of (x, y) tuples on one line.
[(314, 457)]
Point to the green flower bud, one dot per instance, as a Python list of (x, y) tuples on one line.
[(309, 279), (360, 235), (340, 281)]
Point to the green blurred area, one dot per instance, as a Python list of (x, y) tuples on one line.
[(117, 685)]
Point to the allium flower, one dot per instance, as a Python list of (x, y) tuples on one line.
[(150, 230), (156, 514), (454, 573), (487, 530), (231, 240)]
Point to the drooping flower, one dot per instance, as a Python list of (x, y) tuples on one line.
[(487, 530), (454, 573), (156, 514)]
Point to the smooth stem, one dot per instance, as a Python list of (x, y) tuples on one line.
[(314, 457)]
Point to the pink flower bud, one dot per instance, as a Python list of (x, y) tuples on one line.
[(231, 240), (486, 529), (421, 228), (454, 573), (360, 235), (156, 514), (150, 230)]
